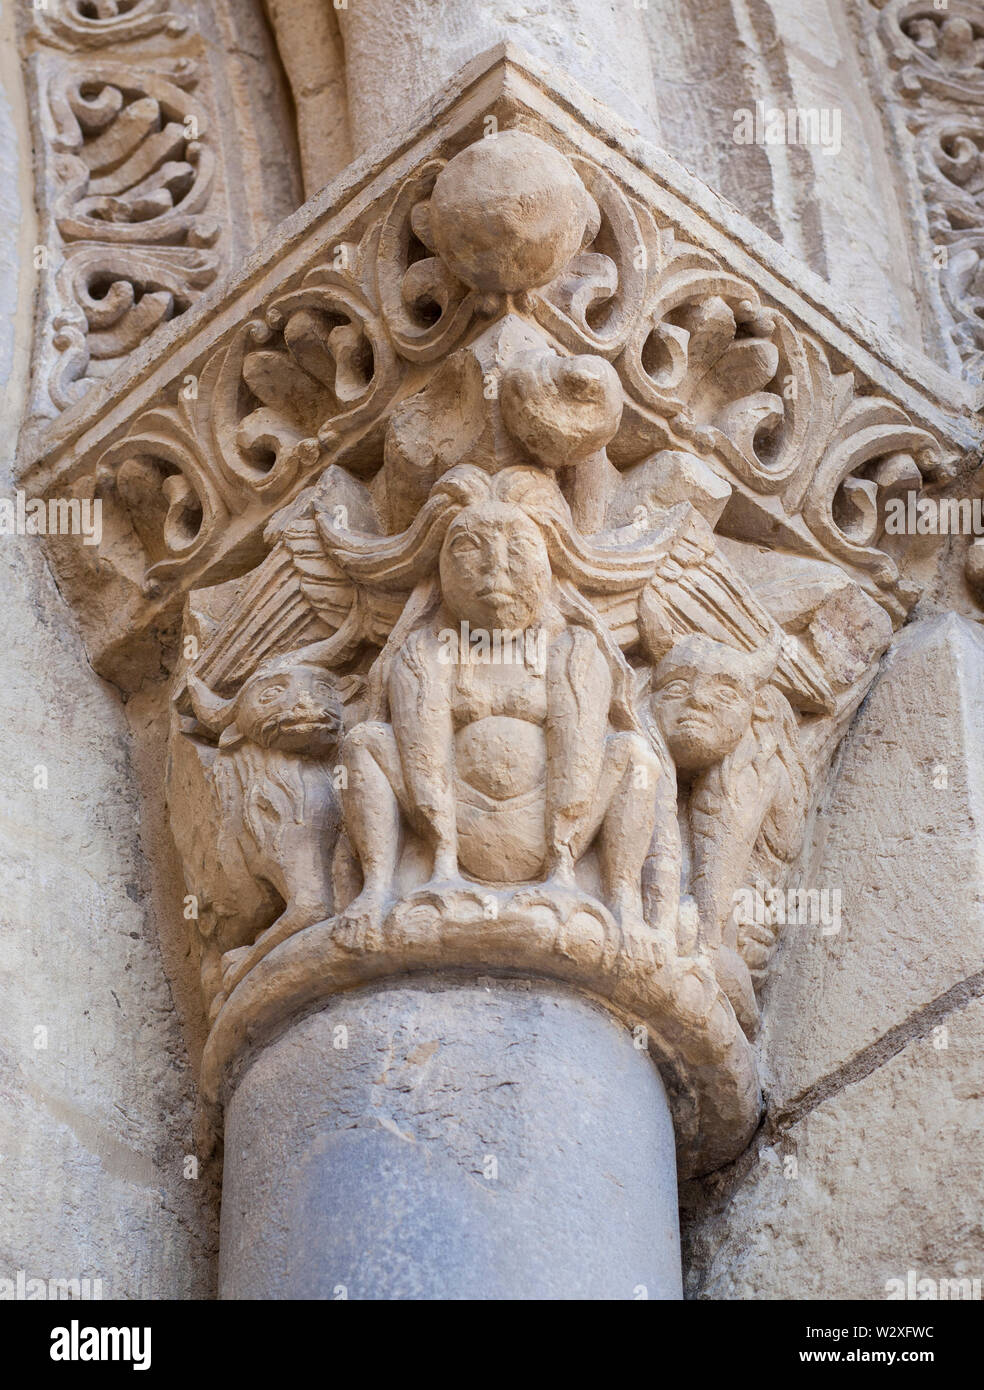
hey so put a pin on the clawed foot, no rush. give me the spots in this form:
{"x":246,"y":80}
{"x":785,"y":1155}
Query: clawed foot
{"x":439,"y":887}
{"x":237,"y":964}
{"x":559,"y":893}
{"x":215,"y":1007}
{"x":562,"y":884}
{"x":361,"y":919}
{"x":231,"y":963}
{"x":659,"y":939}
{"x":232,"y":972}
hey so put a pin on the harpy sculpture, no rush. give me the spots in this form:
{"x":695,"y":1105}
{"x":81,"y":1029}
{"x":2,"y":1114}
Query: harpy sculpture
{"x":566,"y":730}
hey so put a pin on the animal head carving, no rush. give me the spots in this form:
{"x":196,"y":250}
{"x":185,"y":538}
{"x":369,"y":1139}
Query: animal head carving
{"x":289,"y":705}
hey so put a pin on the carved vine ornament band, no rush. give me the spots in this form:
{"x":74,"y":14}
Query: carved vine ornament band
{"x":937,"y":54}
{"x":131,"y":215}
{"x":575,"y":574}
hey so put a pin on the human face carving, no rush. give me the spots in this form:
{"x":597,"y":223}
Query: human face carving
{"x":495,"y":570}
{"x":704,"y":701}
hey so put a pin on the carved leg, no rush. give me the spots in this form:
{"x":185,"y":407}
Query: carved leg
{"x":225,"y":937}
{"x":623,"y":813}
{"x":371,"y":804}
{"x":236,"y":964}
{"x":626,"y":831}
{"x":662,"y":871}
{"x":303,"y":880}
{"x":623,"y":816}
{"x":211,"y":972}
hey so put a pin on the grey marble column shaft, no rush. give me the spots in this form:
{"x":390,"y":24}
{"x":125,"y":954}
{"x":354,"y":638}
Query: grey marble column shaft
{"x":451,"y":1139}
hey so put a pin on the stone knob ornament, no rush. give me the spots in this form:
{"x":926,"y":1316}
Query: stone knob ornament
{"x":509,"y":212}
{"x":561,"y":409}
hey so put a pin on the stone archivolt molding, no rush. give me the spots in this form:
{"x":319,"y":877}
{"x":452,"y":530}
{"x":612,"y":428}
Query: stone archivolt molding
{"x":131,"y":203}
{"x":498,"y":391}
{"x":938,"y":58}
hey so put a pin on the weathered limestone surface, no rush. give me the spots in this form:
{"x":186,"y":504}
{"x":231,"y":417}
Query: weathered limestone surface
{"x":519,"y":373}
{"x":678,"y":74}
{"x":96,"y":1093}
{"x":95,"y":1123}
{"x":840,"y":211}
{"x":310,"y":47}
{"x":899,"y":834}
{"x":881,"y":1178}
{"x":400,"y":53}
{"x":474,"y":1139}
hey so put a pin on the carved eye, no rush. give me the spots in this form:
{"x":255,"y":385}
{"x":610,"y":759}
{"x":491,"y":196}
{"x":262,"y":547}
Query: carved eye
{"x":728,"y":695}
{"x":675,"y":689}
{"x":271,"y":693}
{"x":462,"y":543}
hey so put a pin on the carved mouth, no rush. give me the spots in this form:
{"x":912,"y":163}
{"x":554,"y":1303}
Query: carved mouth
{"x":305,"y":725}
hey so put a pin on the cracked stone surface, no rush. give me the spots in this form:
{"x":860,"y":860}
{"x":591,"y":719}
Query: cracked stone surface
{"x":864,"y":1188}
{"x":451,"y":1139}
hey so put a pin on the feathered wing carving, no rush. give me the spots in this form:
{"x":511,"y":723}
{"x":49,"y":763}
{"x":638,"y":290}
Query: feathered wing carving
{"x":695,"y":589}
{"x":298,"y":599}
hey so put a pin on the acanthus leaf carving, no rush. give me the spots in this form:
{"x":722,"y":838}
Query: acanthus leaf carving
{"x":704,"y":364}
{"x":132,"y":207}
{"x":939,"y":51}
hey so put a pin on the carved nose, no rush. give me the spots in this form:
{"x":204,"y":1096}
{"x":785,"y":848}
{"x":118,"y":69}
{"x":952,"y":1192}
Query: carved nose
{"x":498,"y":555}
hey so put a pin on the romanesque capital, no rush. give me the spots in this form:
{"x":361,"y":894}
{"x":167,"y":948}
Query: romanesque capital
{"x":517,"y":547}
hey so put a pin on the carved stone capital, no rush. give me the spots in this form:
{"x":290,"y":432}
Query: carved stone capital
{"x":526,"y":533}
